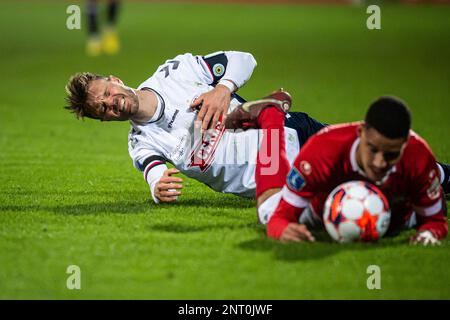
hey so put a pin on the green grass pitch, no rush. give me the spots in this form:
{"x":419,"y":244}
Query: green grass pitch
{"x":69,"y":194}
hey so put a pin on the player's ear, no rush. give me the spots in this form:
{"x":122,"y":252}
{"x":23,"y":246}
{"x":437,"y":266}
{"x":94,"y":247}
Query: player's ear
{"x":115,"y":79}
{"x":360,"y":129}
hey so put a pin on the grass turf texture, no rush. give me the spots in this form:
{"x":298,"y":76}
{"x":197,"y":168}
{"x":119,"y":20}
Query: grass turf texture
{"x":69,"y":193}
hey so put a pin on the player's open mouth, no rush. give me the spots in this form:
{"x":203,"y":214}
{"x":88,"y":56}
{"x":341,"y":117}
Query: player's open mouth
{"x":123,"y":108}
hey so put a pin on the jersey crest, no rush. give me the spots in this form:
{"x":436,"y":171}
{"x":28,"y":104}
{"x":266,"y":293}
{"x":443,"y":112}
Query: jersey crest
{"x":218,"y":69}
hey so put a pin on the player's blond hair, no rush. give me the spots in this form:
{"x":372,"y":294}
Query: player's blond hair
{"x":77,"y":92}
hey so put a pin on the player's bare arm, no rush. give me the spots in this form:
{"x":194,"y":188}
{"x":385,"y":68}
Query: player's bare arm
{"x":168,"y":188}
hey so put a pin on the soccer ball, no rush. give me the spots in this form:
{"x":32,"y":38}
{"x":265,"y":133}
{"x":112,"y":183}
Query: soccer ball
{"x":356,"y":210}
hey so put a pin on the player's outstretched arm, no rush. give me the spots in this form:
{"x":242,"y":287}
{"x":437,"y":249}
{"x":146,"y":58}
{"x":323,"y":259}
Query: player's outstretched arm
{"x":284,"y":226}
{"x":431,"y":228}
{"x":429,"y":201}
{"x":168,"y":188}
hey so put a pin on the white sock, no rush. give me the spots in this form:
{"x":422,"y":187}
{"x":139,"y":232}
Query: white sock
{"x":441,"y":171}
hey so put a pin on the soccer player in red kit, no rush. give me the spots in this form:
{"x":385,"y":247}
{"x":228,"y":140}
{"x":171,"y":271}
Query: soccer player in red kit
{"x":381,"y":150}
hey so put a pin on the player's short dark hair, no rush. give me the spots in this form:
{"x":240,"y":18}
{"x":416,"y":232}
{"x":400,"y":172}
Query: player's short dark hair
{"x":77,"y":92}
{"x":390,"y":116}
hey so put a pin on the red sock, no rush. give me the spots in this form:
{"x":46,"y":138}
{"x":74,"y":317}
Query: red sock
{"x":272,"y":165}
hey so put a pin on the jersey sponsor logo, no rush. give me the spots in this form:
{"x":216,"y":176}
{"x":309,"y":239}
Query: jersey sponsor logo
{"x":295,"y":180}
{"x":203,"y":154}
{"x":305,"y":168}
{"x":218,"y":69}
{"x":434,"y":191}
{"x":173,"y":119}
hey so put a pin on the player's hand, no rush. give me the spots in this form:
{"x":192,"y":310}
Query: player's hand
{"x":213,"y":104}
{"x":167,"y":189}
{"x":424,"y":237}
{"x":295,"y":232}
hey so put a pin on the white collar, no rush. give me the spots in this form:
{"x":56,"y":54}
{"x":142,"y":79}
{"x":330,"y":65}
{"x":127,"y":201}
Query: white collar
{"x":157,"y":115}
{"x":158,"y":111}
{"x":353,"y":161}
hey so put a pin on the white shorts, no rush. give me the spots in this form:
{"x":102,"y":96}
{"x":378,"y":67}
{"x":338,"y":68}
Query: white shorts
{"x":268,"y":207}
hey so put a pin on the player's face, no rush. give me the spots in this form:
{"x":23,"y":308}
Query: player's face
{"x":110,"y":100}
{"x":376,"y":154}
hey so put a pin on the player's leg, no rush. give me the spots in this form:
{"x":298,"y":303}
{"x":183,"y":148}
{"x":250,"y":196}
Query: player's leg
{"x":272,"y":165}
{"x":93,"y":45}
{"x":110,"y":38}
{"x":303,"y":124}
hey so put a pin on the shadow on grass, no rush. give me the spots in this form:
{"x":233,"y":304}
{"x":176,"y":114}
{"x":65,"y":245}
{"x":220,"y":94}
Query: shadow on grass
{"x":125,"y":206}
{"x":183,"y":228}
{"x":129,"y":207}
{"x":321,"y":248}
{"x":84,"y":209}
{"x":232,"y":202}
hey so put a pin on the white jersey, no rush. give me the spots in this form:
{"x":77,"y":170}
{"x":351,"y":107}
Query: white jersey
{"x":222,"y":159}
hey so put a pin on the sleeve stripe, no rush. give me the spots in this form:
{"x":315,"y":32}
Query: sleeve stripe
{"x":150,"y":159}
{"x":293,"y":199}
{"x":431,"y":210}
{"x":209,"y":68}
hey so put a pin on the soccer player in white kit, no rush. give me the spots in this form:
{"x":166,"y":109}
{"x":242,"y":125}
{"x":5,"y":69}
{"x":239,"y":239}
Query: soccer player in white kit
{"x":162,"y":113}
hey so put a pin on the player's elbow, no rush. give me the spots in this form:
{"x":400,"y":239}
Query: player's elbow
{"x":245,"y":57}
{"x":251,"y":60}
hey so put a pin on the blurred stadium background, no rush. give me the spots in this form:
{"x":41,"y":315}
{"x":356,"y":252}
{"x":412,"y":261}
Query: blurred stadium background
{"x":69,"y":194}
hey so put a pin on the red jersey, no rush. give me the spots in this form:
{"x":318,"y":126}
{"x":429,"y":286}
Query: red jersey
{"x":329,"y":159}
